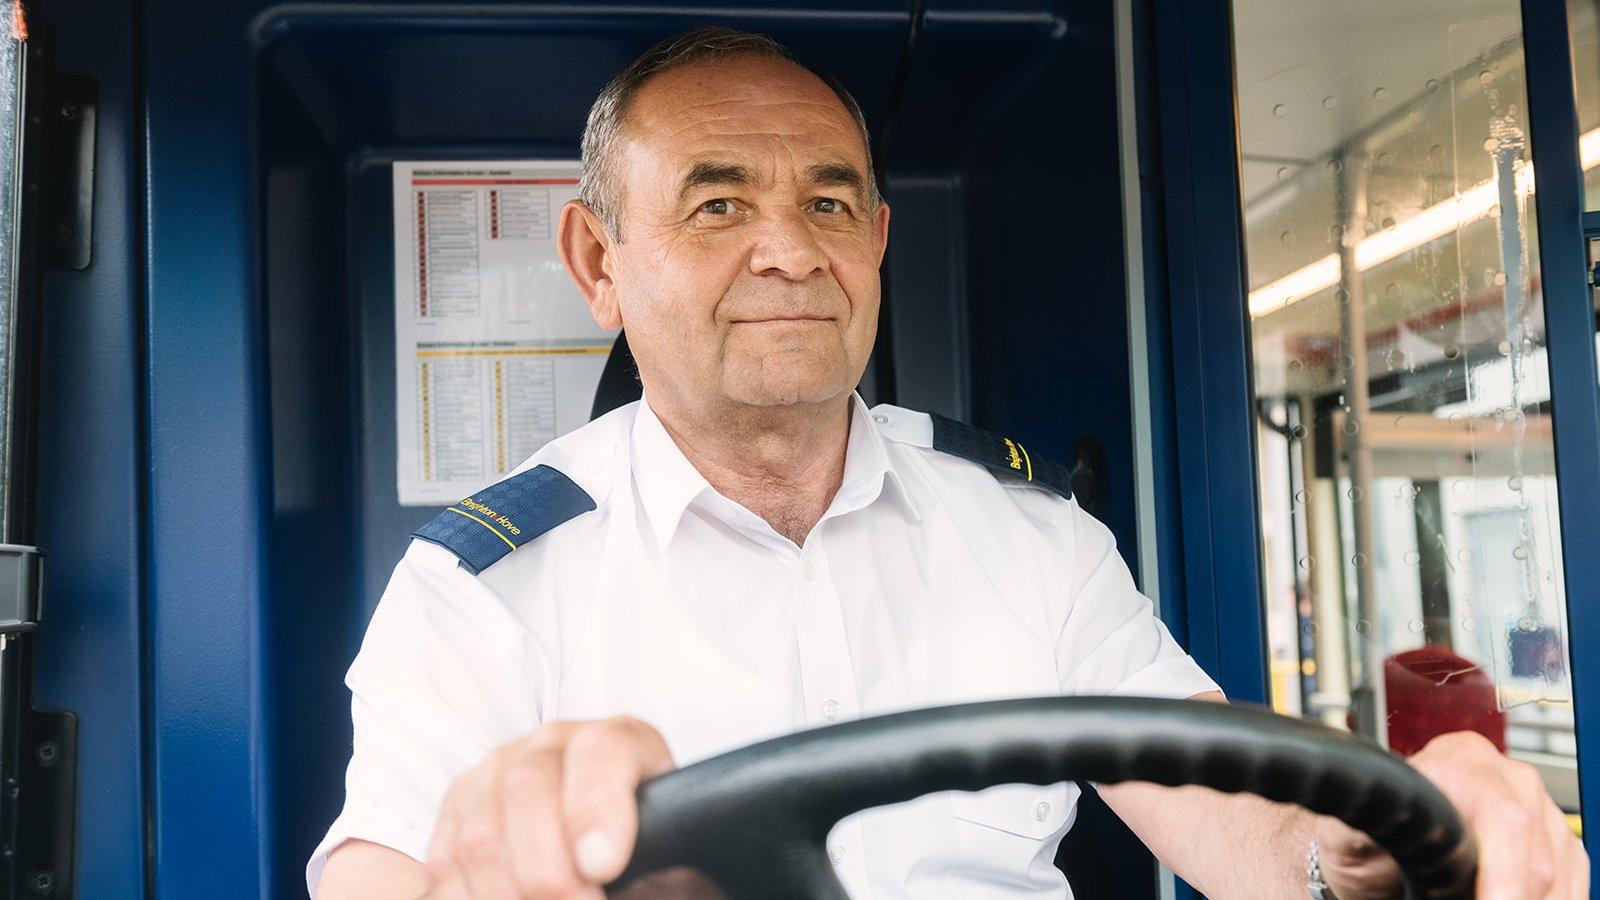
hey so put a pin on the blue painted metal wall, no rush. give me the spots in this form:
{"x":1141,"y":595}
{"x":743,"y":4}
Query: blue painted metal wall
{"x":92,"y":463}
{"x":1209,"y":343}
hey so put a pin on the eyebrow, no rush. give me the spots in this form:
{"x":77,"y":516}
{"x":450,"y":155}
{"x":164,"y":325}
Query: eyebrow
{"x":704,"y":173}
{"x":838,"y":174}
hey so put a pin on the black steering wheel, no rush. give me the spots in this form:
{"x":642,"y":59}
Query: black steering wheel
{"x":754,"y":820}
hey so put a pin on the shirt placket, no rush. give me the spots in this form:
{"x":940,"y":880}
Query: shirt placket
{"x":827,"y":679}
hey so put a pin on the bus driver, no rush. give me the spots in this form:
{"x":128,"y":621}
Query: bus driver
{"x":749,"y":551}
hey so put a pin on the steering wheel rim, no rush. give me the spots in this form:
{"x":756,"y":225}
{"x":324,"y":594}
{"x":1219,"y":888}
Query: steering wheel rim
{"x":755,"y":819}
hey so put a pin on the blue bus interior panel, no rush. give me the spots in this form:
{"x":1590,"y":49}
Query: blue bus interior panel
{"x":267,"y":347}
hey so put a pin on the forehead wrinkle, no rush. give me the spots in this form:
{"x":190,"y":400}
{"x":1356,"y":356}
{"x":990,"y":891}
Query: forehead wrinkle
{"x":738,"y":129}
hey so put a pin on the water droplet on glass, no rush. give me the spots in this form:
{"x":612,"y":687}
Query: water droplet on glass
{"x":1279,"y":111}
{"x":1307,"y":563}
{"x":1380,"y":94}
{"x":1358,"y":560}
{"x":1310,"y":629}
{"x":1300,"y":498}
{"x":1491,"y":145}
{"x":1351,"y":426}
{"x":1412,"y":557}
{"x":1396,"y":359}
{"x":1504,"y":347}
{"x":1469,"y":625}
{"x":1335,"y":232}
{"x":1451,"y":351}
{"x":1432,"y":85}
{"x":1391,"y":290}
{"x":1486,"y":78}
{"x":1330,"y":102}
{"x":1524,"y":623}
{"x":1284,"y":236}
{"x":1283,"y":172}
{"x":1335,"y":166}
{"x":1363,"y":626}
{"x":1499,"y":279}
{"x":1494,"y":211}
{"x":1388,"y":222}
{"x":1415,"y":625}
{"x":1519,"y":552}
{"x":1459,"y":486}
{"x":1383,"y":160}
{"x":1299,"y":431}
{"x":1296,"y":365}
{"x":1341,"y":295}
{"x":1436,"y":151}
{"x":1355,"y":493}
{"x":1463,"y":556}
{"x":1514,"y":482}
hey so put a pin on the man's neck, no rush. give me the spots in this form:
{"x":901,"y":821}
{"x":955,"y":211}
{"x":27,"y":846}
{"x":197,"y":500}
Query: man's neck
{"x":782,"y":463}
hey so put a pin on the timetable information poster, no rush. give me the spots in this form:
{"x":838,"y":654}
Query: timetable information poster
{"x":495,"y":351}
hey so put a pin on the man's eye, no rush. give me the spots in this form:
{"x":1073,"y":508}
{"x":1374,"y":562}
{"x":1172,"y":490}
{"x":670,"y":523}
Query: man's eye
{"x":719,"y":207}
{"x":828,"y":205}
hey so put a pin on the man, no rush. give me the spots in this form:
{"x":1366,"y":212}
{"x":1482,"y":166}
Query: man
{"x":749,"y":551}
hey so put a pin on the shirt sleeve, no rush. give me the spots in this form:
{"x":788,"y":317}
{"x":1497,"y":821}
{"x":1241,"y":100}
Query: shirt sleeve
{"x":1111,"y":641}
{"x":445,"y":673}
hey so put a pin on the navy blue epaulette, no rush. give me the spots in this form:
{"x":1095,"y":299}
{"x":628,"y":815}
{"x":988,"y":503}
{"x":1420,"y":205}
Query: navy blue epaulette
{"x":483,"y":528}
{"x":1000,"y":455}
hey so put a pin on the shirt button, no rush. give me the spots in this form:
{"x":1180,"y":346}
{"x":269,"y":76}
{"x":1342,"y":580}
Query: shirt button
{"x":830,"y":709}
{"x":836,"y":853}
{"x":810,"y":570}
{"x":880,"y":418}
{"x":1041,"y":811}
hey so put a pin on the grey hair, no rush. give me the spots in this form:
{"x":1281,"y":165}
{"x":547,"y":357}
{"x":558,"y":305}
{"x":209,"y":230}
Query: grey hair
{"x":599,"y":184}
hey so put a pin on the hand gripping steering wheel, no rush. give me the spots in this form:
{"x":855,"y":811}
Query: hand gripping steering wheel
{"x":755,"y":819}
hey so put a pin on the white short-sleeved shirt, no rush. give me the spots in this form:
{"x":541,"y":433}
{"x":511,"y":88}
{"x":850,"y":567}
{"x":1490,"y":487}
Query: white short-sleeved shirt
{"x":928,"y":581}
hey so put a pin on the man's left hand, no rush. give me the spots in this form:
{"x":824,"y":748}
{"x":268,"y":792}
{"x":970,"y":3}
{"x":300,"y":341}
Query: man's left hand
{"x":1525,"y":849}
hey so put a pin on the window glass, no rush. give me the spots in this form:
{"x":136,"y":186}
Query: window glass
{"x":1413,"y":580}
{"x":1583,"y":21}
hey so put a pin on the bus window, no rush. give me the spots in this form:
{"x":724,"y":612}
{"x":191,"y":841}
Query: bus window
{"x":1405,"y":471}
{"x":1583,"y":19}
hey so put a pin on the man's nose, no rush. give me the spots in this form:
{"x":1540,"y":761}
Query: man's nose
{"x":787,"y":246}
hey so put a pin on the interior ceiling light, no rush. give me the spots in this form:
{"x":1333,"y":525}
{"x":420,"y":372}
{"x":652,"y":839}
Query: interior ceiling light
{"x":1438,"y":220}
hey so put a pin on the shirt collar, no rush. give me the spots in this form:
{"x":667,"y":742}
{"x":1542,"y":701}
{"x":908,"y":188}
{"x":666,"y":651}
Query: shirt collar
{"x":668,"y":483}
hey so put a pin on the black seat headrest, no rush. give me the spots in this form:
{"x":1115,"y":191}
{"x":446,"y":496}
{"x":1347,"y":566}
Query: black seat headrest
{"x":619,"y":381}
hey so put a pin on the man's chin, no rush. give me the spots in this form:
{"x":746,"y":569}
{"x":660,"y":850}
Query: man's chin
{"x":781,"y":389}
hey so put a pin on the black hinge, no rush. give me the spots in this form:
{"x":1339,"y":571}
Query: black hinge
{"x":21,"y":588}
{"x":44,"y":789}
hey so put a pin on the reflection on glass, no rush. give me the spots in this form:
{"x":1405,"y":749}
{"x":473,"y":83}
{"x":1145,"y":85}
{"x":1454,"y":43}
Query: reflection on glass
{"x":1583,"y":22}
{"x":1406,"y":472}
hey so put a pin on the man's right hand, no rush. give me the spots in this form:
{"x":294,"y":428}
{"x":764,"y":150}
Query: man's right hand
{"x":551,"y":815}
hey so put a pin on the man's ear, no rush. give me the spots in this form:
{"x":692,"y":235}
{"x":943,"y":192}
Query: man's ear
{"x":586,"y":252}
{"x":880,"y":229}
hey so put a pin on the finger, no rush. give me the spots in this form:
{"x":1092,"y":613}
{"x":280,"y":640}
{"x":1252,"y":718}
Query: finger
{"x":1352,"y":862}
{"x":1513,"y":852}
{"x":440,"y":864}
{"x":540,"y":858}
{"x":1471,"y":776}
{"x":478,"y":846}
{"x":1579,"y":867}
{"x":604,"y":765}
{"x":1571,"y":865}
